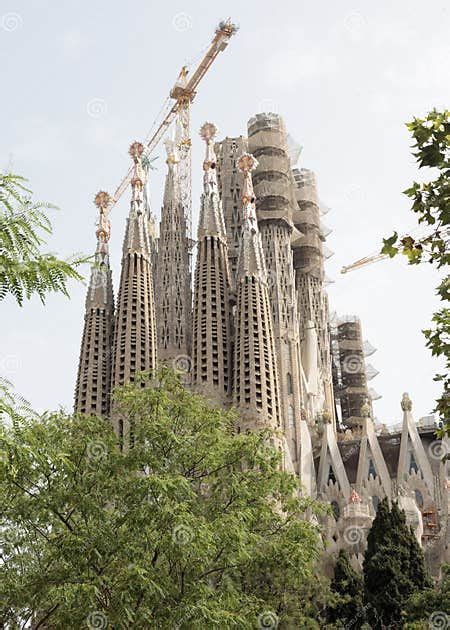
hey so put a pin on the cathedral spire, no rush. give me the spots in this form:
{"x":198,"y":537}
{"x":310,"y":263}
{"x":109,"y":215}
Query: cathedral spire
{"x":256,"y":392}
{"x":173,"y":278}
{"x":94,"y":371}
{"x":211,"y":360}
{"x":211,"y":220}
{"x":267,"y":139}
{"x":251,"y":257}
{"x":135,"y":330}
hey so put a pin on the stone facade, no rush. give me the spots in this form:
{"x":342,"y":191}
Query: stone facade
{"x":262,"y":338}
{"x":173,"y":277}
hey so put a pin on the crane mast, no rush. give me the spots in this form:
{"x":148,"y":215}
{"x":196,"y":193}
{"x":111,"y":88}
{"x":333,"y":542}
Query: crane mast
{"x":182,"y":95}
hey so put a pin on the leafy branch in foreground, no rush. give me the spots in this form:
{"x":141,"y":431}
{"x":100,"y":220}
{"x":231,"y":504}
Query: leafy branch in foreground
{"x":196,"y":526}
{"x":24,"y":269}
{"x":431,"y":204}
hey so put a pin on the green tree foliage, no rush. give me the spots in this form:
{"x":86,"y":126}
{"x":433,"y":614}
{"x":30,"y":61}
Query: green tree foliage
{"x":431,"y":204}
{"x":432,"y":604}
{"x":195,"y":526}
{"x":347,"y":584}
{"x":393,"y":567}
{"x":24,"y":269}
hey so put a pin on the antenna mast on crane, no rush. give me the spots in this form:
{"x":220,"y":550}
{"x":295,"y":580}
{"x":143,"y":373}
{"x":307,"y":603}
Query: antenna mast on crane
{"x":180,"y":99}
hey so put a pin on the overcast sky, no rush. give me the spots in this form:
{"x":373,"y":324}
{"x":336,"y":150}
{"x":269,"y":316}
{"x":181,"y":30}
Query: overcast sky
{"x":81,"y":80}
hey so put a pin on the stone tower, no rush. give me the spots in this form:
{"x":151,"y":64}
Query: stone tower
{"x":135,"y":327}
{"x":230,"y":181}
{"x":94,"y":371}
{"x":151,"y":221}
{"x":272,"y":181}
{"x":173,"y":278}
{"x":353,"y":390}
{"x":309,"y":255}
{"x":211,"y":360}
{"x":256,"y":392}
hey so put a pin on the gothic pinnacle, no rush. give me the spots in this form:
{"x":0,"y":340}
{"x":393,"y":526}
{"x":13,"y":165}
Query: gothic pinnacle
{"x":246,"y":164}
{"x":103,"y":232}
{"x":208,"y":132}
{"x":136,"y":152}
{"x":211,"y":221}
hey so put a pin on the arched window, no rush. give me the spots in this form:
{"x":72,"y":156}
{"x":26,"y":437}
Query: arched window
{"x":336,"y":509}
{"x":289,"y":383}
{"x":372,"y":469}
{"x":419,"y":498}
{"x":412,"y":463}
{"x":375,"y":503}
{"x":331,"y":476}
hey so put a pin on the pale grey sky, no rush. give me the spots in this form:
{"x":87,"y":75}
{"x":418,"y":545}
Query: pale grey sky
{"x":80,"y":81}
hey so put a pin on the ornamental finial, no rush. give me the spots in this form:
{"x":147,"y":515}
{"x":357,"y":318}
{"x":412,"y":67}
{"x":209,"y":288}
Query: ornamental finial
{"x":208,"y":132}
{"x":406,"y":403}
{"x":102,"y":200}
{"x":103,"y":232}
{"x":136,"y":152}
{"x":354,"y":497}
{"x":172,"y":151}
{"x":246,"y":164}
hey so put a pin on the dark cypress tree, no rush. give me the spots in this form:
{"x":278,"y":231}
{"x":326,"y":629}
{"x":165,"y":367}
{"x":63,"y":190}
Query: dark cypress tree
{"x":394,"y":567}
{"x":347,"y":584}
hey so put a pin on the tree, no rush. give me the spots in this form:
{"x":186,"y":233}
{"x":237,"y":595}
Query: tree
{"x":432,"y":604}
{"x":24,"y":269}
{"x":195,"y":526}
{"x":394,"y":566}
{"x":347,"y":584}
{"x":431,"y":204}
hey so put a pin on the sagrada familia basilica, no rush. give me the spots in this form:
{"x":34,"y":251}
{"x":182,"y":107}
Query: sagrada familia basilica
{"x":254,"y":331}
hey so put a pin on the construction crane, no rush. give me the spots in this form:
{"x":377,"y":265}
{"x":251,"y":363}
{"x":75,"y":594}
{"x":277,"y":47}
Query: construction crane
{"x":362,"y":262}
{"x":368,"y":260}
{"x":177,"y":105}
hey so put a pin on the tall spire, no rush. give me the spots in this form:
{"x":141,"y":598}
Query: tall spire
{"x":256,"y":392}
{"x":273,"y":190}
{"x":211,"y":220}
{"x":151,"y":220}
{"x":94,"y":371}
{"x":230,"y":181}
{"x":135,"y":329}
{"x":173,"y":278}
{"x":309,"y":253}
{"x":211,"y":359}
